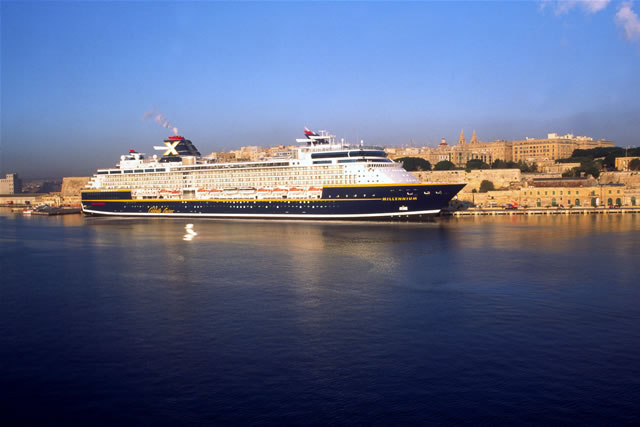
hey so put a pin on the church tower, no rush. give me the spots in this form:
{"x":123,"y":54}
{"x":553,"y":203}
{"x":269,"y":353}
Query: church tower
{"x":474,"y":138}
{"x":461,"y":140}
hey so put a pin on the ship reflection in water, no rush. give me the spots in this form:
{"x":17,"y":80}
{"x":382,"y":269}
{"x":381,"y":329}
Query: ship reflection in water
{"x":228,"y":322}
{"x":190,"y":234}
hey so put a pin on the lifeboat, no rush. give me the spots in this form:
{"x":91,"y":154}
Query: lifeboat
{"x":165,"y":191}
{"x":264,"y":190}
{"x":295,"y":189}
{"x":247,"y":190}
{"x":176,"y":192}
{"x":279,"y":190}
{"x":202,"y":190}
{"x":315,"y":189}
{"x":215,"y":190}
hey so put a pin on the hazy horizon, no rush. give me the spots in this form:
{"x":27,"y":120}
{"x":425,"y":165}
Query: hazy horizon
{"x":78,"y":78}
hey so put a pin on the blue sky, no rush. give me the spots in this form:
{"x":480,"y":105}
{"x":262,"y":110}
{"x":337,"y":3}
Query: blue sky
{"x":77,"y":77}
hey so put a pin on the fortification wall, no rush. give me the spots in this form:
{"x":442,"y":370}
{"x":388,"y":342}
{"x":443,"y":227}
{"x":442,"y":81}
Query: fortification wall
{"x":501,"y":178}
{"x":71,"y":187}
{"x":629,"y":179}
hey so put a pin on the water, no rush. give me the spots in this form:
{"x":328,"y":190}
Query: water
{"x":489,"y":320}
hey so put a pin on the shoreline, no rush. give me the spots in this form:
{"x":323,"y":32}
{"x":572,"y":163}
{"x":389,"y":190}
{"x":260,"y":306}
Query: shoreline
{"x":541,"y":211}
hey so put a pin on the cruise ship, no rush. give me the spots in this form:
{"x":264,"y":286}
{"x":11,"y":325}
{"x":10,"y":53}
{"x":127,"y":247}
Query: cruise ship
{"x":320,"y":179}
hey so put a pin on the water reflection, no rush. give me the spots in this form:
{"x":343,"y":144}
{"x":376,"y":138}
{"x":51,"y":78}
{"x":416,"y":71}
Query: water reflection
{"x":306,"y":253}
{"x":190,"y":234}
{"x":285,"y":316}
{"x":552,"y":232}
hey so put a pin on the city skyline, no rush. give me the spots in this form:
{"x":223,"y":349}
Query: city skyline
{"x":78,"y":78}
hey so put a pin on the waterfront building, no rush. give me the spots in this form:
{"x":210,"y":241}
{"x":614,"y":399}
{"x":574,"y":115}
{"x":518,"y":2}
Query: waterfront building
{"x":11,"y":184}
{"x":578,"y":192}
{"x":557,"y":192}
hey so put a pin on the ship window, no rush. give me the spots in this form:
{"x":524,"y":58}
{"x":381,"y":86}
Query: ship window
{"x":329,"y":155}
{"x":362,"y":153}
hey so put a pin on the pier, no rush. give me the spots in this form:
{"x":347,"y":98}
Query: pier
{"x":57,"y":211}
{"x":541,"y":211}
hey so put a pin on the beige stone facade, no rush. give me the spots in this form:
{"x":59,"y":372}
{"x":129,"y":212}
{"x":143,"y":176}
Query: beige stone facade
{"x":545,"y":197}
{"x":10,"y":184}
{"x":628,"y":179}
{"x":552,"y":167}
{"x":541,"y":190}
{"x":622,"y":163}
{"x":529,"y":150}
{"x":501,"y":178}
{"x":554,"y":147}
{"x":71,"y":187}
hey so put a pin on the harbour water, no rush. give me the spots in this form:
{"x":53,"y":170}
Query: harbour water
{"x":528,"y":320}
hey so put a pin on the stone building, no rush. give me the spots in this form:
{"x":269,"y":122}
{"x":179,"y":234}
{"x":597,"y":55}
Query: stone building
{"x":550,"y":192}
{"x":554,"y":147}
{"x":529,"y":150}
{"x":557,"y":195}
{"x":622,"y":163}
{"x":11,"y":184}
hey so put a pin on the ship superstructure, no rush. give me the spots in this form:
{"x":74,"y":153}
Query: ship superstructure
{"x":312,"y":181}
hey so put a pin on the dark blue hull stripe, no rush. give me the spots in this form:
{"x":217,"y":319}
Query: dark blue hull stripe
{"x":347,"y":202}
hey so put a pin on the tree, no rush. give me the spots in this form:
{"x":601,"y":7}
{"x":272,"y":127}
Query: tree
{"x":476,"y":164}
{"x":634,"y":165}
{"x":415,"y":163}
{"x":444,"y":165}
{"x":501,"y":164}
{"x":588,"y":167}
{"x":486,"y":185}
{"x":527,"y":167}
{"x":607,"y":154}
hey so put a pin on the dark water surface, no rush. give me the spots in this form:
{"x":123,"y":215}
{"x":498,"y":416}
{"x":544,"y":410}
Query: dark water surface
{"x":494,"y":320}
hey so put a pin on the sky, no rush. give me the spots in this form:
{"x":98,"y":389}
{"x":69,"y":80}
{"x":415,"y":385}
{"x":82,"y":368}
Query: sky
{"x":78,"y":78}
